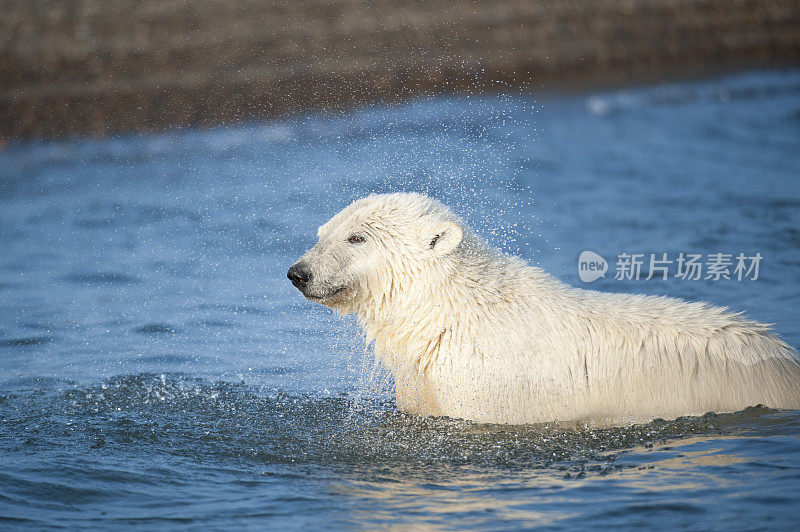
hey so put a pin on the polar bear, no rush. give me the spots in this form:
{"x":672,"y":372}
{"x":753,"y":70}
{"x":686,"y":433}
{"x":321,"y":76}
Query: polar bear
{"x":470,"y":332}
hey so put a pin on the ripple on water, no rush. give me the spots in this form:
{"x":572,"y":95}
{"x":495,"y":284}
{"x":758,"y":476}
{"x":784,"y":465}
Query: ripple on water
{"x":221,"y":420}
{"x":100,"y":278}
{"x":158,"y":328}
{"x":25,"y":342}
{"x":136,"y":440}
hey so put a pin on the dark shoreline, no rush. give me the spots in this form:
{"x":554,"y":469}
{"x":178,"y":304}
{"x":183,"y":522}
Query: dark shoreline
{"x":96,"y":68}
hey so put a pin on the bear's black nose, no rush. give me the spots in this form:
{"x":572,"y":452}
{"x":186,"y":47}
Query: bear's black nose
{"x":299,"y":275}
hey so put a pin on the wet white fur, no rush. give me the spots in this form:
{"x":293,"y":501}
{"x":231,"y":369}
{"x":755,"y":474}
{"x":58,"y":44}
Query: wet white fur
{"x":470,"y":332}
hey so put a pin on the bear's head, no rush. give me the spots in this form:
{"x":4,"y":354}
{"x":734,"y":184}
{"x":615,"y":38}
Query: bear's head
{"x":377,"y":248}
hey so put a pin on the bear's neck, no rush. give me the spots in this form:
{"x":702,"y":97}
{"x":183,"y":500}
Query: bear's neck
{"x":411,"y":318}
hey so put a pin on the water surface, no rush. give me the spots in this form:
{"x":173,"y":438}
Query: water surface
{"x":157,"y":369}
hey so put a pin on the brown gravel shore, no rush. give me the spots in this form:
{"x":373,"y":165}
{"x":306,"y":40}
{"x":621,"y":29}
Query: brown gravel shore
{"x":96,"y":67}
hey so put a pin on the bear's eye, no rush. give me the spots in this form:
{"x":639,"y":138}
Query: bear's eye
{"x":356,"y":239}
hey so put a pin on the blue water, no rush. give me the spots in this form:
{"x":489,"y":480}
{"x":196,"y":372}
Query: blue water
{"x":158,"y":370}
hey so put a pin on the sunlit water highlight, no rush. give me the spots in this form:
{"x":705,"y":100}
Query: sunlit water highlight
{"x":156,"y":368}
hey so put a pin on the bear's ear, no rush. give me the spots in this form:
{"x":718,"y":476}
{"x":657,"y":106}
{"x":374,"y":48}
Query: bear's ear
{"x":445,"y":237}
